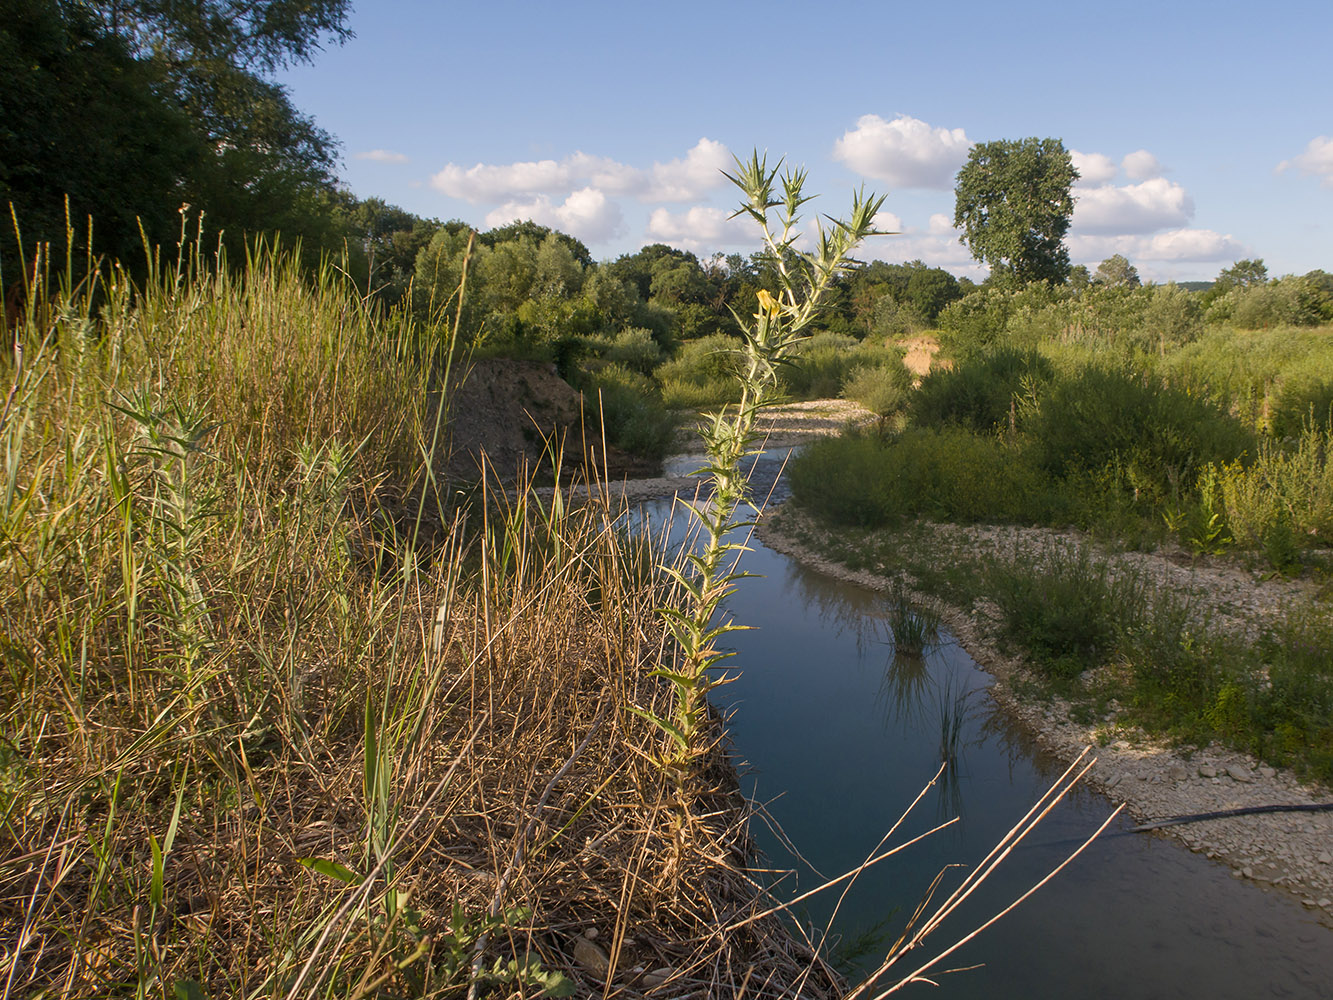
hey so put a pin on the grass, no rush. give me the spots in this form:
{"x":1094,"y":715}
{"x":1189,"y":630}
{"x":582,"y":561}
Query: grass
{"x":278,"y":718}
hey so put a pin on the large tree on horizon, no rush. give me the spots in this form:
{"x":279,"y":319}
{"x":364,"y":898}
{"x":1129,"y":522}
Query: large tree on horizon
{"x":1013,"y":203}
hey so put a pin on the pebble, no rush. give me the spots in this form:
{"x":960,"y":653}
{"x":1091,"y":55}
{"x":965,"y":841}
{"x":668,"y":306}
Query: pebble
{"x":657,"y":977}
{"x":1239,"y":772}
{"x":591,"y":957}
{"x":1325,"y":858}
{"x":1207,"y":771}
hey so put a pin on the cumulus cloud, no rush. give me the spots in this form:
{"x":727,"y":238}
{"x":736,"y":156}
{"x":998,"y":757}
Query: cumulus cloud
{"x":690,"y":177}
{"x":587,"y":213}
{"x":1192,"y":244}
{"x":1134,"y":208}
{"x":1093,"y":168}
{"x":1174,"y":245}
{"x":701,"y":228}
{"x":1141,"y":165}
{"x":1317,"y":160}
{"x":941,"y":225}
{"x":905,"y":152}
{"x":381,"y":156}
{"x":682,"y":179}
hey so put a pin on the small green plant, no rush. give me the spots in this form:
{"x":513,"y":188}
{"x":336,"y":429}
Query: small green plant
{"x":771,"y":339}
{"x":913,"y":627}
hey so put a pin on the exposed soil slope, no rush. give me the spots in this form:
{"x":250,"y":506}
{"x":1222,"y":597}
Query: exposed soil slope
{"x":512,"y":412}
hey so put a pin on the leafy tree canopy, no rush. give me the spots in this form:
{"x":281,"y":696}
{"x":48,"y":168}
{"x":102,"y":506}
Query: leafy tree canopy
{"x":142,"y":105}
{"x":1013,"y":204}
{"x":1116,"y":272}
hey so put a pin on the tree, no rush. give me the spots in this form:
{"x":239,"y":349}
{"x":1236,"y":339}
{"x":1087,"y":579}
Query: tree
{"x":134,"y":107}
{"x":1013,"y":204}
{"x":1116,"y":272}
{"x":1242,"y":274}
{"x":81,"y":117}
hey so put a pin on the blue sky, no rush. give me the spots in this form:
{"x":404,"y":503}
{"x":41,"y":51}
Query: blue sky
{"x":1204,"y":132}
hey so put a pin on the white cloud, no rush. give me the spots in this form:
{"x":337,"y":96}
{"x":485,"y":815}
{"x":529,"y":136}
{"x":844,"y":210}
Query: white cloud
{"x":1093,"y":168}
{"x":1134,"y":208}
{"x":1192,"y":244}
{"x":941,"y":225}
{"x":1175,"y":245}
{"x":494,"y":183}
{"x":587,"y":213}
{"x":1317,"y":160}
{"x":1141,"y":165}
{"x":701,"y":228}
{"x":905,"y":152}
{"x":381,"y":156}
{"x":689,"y":178}
{"x":682,"y":179}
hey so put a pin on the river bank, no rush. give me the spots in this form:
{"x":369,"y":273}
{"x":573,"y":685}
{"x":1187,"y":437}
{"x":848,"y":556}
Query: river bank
{"x":1292,"y":851}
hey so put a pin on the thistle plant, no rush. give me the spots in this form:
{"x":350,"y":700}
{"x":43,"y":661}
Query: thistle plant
{"x":771,"y":338}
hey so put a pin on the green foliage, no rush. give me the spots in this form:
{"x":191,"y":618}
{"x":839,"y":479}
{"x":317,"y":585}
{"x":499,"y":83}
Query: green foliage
{"x":982,"y":392}
{"x":635,"y":349}
{"x":1115,"y":272}
{"x":1064,"y":607}
{"x":869,"y":480}
{"x":629,"y":407}
{"x":81,"y":117}
{"x":1159,"y":436}
{"x":702,"y":373}
{"x":882,"y":389}
{"x":1013,"y":204}
{"x":1283,"y":500}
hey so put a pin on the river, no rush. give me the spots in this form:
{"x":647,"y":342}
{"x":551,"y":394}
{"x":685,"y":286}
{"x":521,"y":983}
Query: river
{"x":837,"y":737}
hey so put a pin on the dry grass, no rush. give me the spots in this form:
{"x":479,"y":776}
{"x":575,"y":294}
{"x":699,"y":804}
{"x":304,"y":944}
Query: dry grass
{"x":243,"y":628}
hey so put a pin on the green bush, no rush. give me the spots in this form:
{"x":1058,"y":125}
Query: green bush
{"x":1285,"y":489}
{"x":703,"y":373}
{"x":1064,"y":608}
{"x":634,"y":348}
{"x":821,"y":366}
{"x":882,"y":389}
{"x":870,"y":480}
{"x":1159,"y":437}
{"x":980,"y":391}
{"x":630,"y":408}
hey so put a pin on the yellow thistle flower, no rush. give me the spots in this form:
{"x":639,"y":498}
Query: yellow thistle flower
{"x":767,"y":304}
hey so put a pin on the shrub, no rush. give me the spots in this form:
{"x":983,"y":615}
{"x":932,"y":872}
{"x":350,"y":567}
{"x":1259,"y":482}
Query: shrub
{"x":1285,"y":489}
{"x":1159,"y":436}
{"x":869,"y":480}
{"x":979,"y":392}
{"x":973,"y":323}
{"x":629,"y":406}
{"x":702,"y":373}
{"x":1064,"y":608}
{"x":634,"y":348}
{"x":882,"y":389}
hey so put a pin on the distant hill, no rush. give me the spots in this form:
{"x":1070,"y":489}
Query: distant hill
{"x":1195,"y":286}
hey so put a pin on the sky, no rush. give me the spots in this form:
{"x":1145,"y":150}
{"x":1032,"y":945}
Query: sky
{"x":1203,"y":131}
